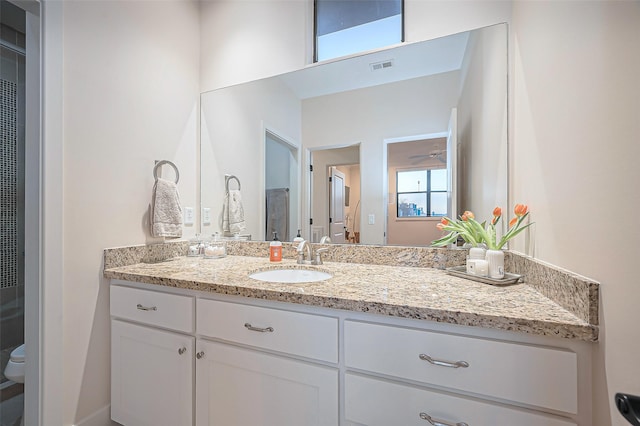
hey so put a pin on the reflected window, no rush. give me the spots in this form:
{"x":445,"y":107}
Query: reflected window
{"x":421,"y":193}
{"x":344,"y":27}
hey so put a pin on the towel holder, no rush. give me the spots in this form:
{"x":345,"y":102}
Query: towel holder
{"x":160,"y":164}
{"x":227,"y":178}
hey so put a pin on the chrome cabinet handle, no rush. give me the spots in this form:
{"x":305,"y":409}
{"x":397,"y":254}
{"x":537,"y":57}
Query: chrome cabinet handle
{"x":434,"y":422}
{"x":200,"y":355}
{"x":258,"y":329}
{"x":147,"y":308}
{"x":182,"y":350}
{"x":451,"y":364}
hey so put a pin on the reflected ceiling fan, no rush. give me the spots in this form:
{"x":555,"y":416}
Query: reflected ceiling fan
{"x":437,"y":154}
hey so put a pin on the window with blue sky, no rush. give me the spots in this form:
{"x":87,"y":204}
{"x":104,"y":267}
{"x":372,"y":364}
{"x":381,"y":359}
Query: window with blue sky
{"x":345,"y":27}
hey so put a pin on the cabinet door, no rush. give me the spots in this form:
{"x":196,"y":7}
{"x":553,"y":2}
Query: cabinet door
{"x":240,"y":387}
{"x":151,"y":376}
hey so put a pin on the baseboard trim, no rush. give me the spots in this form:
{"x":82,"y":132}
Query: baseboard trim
{"x":102,"y":417}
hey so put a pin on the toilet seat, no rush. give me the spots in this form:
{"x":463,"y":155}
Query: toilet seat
{"x":17,"y":355}
{"x":15,"y":367}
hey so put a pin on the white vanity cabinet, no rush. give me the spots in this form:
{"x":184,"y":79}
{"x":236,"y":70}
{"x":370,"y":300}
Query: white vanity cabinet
{"x":244,"y":386}
{"x":151,"y":367}
{"x":239,"y":365}
{"x":183,"y":357}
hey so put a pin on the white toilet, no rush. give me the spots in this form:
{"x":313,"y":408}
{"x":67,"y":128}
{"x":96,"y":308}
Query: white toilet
{"x":15,"y":367}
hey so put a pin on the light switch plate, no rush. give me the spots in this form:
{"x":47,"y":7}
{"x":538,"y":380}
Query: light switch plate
{"x":372,"y":219}
{"x":188,"y":215}
{"x":206,"y":216}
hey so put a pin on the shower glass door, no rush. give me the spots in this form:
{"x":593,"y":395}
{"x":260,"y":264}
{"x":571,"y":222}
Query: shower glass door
{"x":12,"y":166}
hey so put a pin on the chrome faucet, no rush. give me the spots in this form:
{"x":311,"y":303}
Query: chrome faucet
{"x":313,"y":258}
{"x":304,"y":245}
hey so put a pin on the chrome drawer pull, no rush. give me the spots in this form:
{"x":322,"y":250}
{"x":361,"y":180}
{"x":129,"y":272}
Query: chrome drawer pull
{"x":258,"y":329}
{"x":182,"y":350}
{"x":434,"y":422}
{"x":200,"y":355}
{"x":452,"y":364}
{"x":147,"y":308}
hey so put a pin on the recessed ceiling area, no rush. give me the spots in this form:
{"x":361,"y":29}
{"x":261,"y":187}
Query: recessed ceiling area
{"x":409,"y":61}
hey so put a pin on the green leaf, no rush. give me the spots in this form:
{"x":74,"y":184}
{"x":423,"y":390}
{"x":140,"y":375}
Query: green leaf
{"x":449,"y":238}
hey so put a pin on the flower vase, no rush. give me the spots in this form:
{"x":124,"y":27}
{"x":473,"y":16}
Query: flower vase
{"x":495,"y":258}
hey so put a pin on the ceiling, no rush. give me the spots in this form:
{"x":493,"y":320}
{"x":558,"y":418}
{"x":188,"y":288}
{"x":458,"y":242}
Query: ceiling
{"x":430,"y":153}
{"x":409,"y":61}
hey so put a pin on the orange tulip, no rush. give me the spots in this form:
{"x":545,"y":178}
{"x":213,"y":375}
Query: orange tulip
{"x":520,"y":209}
{"x":513,"y":222}
{"x":497,"y":212}
{"x":444,"y":221}
{"x":440,"y":226}
{"x":467,"y":215}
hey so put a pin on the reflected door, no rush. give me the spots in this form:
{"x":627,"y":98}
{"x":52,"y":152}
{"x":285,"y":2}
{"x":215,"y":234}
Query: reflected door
{"x":452,"y":165}
{"x":336,"y":206}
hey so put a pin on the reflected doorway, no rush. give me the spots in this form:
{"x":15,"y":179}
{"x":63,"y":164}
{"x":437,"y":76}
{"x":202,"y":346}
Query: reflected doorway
{"x":419,"y":188}
{"x":281,"y":187}
{"x":335,"y":194}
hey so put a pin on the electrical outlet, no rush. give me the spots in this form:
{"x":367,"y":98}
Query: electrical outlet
{"x":188,"y":215}
{"x":372,"y":219}
{"x":206,"y":216}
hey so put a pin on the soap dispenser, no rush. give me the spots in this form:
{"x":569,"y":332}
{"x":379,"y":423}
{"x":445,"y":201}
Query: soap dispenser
{"x":298,"y":238}
{"x":275,"y":249}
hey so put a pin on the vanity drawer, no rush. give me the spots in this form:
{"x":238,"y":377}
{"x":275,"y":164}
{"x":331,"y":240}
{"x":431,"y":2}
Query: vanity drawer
{"x":154,"y":308}
{"x":311,"y":336}
{"x":375,"y":402}
{"x":531,"y":375}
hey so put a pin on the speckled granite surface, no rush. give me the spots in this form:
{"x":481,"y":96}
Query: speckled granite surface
{"x":425,"y":257}
{"x":416,"y":289}
{"x":577,"y":294}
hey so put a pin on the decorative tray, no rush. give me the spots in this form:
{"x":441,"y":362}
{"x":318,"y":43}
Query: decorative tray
{"x":509,"y":279}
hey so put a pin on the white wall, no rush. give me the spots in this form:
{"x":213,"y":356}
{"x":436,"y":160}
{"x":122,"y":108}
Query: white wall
{"x":244,"y":40}
{"x":482,"y":124}
{"x":575,"y":151}
{"x":130,"y":96}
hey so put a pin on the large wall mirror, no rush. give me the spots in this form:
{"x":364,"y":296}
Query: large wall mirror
{"x":372,"y":149}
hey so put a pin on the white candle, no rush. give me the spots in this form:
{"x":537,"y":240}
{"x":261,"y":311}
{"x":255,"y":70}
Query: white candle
{"x":482,"y":268}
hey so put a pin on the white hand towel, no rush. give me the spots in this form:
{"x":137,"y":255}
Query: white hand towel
{"x":233,"y":213}
{"x":166,"y":213}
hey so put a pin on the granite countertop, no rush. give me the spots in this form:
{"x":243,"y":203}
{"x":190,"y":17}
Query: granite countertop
{"x":409,"y":292}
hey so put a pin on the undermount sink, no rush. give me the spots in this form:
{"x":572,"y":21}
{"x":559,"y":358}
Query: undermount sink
{"x":291,"y":275}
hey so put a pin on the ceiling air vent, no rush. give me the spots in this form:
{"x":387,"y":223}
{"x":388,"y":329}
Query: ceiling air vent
{"x":381,"y":65}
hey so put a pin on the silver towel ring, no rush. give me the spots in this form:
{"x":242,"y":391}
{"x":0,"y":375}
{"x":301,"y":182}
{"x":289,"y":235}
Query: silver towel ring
{"x":228,"y":178}
{"x":160,"y":164}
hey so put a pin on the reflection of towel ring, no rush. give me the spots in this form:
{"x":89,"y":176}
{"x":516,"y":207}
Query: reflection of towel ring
{"x":162,"y":162}
{"x":227,"y":178}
